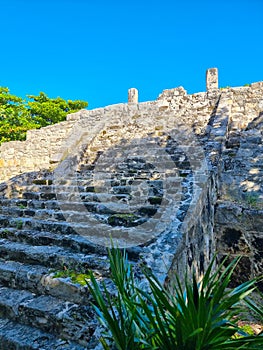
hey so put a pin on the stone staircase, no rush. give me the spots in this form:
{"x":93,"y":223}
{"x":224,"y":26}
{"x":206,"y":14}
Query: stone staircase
{"x":51,"y":223}
{"x":145,"y":175}
{"x":37,"y":310}
{"x":36,"y":241}
{"x":133,"y":181}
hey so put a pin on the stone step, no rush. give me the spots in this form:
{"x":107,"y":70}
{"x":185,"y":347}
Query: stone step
{"x":99,"y":185}
{"x":49,"y":314}
{"x":54,"y":257}
{"x":120,"y":227}
{"x":75,"y":243}
{"x":41,"y":280}
{"x":133,"y":156}
{"x":83,"y":183}
{"x":17,"y":336}
{"x":76,"y":201}
{"x":104,"y":181}
{"x":95,"y":186}
{"x":75,"y":196}
{"x":58,"y":188}
{"x":56,"y":215}
{"x":76,"y":179}
{"x":77,"y":212}
{"x":43,"y":181}
{"x":54,"y":209}
{"x":71,"y":181}
{"x":63,"y":227}
{"x":18,"y":275}
{"x":70,"y":222}
{"x":59,"y":192}
{"x":82,"y":222}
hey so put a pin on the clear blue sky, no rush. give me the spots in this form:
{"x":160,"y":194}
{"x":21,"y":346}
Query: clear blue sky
{"x":96,"y":49}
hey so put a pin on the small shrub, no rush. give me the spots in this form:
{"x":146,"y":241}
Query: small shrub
{"x":201,"y":316}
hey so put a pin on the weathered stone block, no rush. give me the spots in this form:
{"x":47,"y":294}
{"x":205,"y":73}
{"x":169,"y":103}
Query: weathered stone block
{"x":211,"y":79}
{"x":132,"y":95}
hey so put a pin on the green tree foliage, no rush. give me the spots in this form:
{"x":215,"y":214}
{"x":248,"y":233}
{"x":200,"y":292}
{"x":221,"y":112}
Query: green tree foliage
{"x":14,"y":117}
{"x":46,"y":111}
{"x":18,"y":115}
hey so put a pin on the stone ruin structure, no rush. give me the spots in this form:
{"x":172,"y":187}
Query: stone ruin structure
{"x":173,"y":181}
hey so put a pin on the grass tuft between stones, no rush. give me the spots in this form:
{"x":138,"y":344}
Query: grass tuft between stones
{"x":79,"y":278}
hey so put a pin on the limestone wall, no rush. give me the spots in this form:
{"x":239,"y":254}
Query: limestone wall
{"x":34,"y":154}
{"x":198,"y":243}
{"x":239,"y":210}
{"x":47,"y":146}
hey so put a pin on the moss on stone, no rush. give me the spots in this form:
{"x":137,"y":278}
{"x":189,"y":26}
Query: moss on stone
{"x":4,"y":233}
{"x":155,"y":200}
{"x":246,"y":328}
{"x":79,"y":278}
{"x":123,"y":219}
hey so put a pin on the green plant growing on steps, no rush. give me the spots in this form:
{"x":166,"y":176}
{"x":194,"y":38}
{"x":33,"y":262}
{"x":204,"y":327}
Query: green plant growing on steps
{"x":21,"y":206}
{"x":4,"y":233}
{"x":129,"y":219}
{"x":247,"y":329}
{"x":6,"y":230}
{"x":155,"y":200}
{"x":19,"y":224}
{"x":201,"y":316}
{"x":252,"y":199}
{"x":75,"y":277}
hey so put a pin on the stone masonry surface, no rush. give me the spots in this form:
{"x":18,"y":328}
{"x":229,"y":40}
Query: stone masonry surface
{"x":172,"y":181}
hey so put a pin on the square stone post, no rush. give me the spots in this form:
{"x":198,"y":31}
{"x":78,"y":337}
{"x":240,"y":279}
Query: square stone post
{"x":211,"y":79}
{"x":132,"y":95}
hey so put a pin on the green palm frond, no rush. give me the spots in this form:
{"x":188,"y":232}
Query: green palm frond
{"x":202,"y":315}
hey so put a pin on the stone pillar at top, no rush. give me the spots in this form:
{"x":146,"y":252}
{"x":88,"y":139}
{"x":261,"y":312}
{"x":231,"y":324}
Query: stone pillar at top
{"x":211,"y":79}
{"x":132,"y":95}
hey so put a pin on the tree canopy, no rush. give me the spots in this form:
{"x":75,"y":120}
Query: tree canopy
{"x":17,"y":115}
